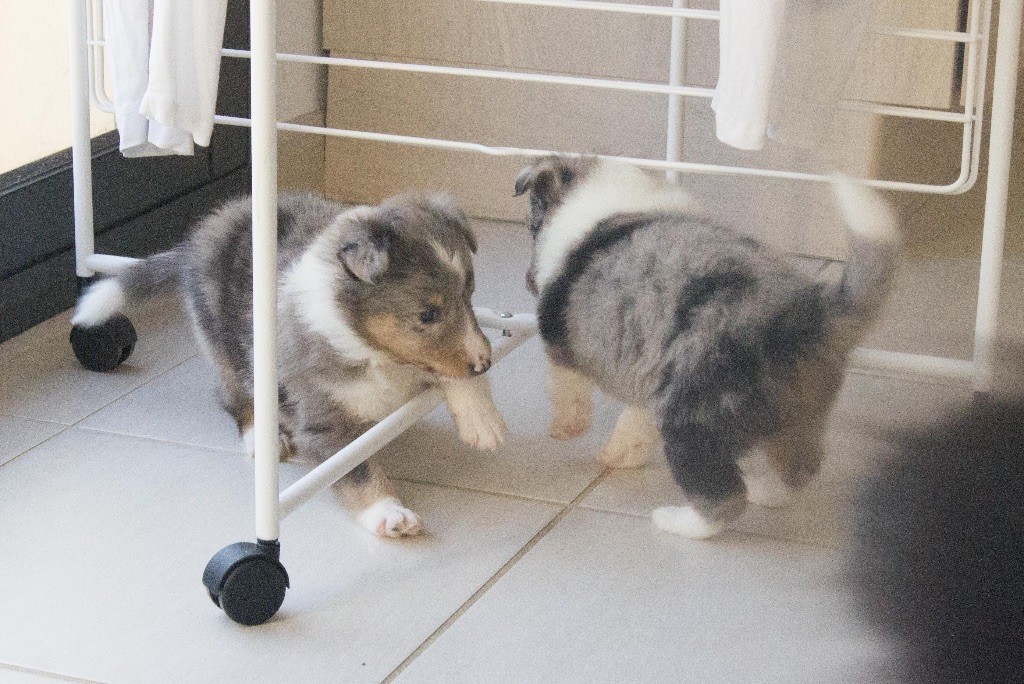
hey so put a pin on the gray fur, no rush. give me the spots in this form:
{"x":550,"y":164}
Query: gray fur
{"x":867,"y":276}
{"x":156,"y":276}
{"x":727,"y":345}
{"x":548,"y":180}
{"x":380,"y":262}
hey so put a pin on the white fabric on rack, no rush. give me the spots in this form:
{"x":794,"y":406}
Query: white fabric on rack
{"x":184,"y":65}
{"x":748,"y":33}
{"x":165,"y":63}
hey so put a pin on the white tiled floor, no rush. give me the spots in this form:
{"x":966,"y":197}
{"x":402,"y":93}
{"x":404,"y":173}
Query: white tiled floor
{"x":537,"y":567}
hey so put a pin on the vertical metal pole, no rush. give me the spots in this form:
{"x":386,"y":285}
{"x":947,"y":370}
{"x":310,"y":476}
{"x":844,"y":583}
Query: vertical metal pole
{"x":81,"y":146}
{"x":263,"y":28}
{"x":676,"y":73}
{"x":1000,"y":143}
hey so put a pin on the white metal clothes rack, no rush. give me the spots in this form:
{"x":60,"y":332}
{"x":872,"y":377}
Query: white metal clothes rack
{"x":247,"y":580}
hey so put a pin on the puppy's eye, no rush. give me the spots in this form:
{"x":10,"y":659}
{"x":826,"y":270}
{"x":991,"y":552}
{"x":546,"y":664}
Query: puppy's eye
{"x":429,"y":316}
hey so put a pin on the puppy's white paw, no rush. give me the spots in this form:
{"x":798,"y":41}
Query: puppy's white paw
{"x":482,"y":428}
{"x":249,"y":442}
{"x":389,"y":518}
{"x":570,"y":419}
{"x":627,"y":451}
{"x":768,"y":490}
{"x":685,"y":520}
{"x":284,"y":444}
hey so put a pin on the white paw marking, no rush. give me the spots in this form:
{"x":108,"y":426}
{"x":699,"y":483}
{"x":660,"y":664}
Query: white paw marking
{"x":768,"y":490}
{"x":249,"y":442}
{"x":100,"y":302}
{"x":764,"y":487}
{"x":571,"y":419}
{"x":685,"y":520}
{"x":627,"y":449}
{"x":284,"y":444}
{"x":389,"y":518}
{"x":483,"y":428}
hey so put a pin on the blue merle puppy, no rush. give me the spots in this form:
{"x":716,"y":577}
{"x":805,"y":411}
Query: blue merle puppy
{"x":374,"y":306}
{"x":719,"y":348}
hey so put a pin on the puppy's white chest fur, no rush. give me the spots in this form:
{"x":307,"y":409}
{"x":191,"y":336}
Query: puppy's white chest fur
{"x":610,"y":188}
{"x":385,"y":387}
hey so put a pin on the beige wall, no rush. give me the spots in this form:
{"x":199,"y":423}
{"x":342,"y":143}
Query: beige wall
{"x":793,"y":215}
{"x":35,"y":120}
{"x":301,"y":91}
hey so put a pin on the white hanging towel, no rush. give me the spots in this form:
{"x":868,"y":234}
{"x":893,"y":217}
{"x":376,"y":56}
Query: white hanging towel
{"x":748,"y":35}
{"x":165,"y":64}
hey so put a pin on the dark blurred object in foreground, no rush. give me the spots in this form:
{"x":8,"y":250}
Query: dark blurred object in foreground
{"x":938,"y":558}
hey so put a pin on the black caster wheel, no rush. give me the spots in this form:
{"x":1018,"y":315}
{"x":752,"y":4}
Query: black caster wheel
{"x":247,"y":581}
{"x":104,"y":347}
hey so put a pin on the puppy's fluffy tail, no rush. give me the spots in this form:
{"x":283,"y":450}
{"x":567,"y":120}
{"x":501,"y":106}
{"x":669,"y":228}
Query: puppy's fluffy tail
{"x":137,"y":282}
{"x":874,"y":250}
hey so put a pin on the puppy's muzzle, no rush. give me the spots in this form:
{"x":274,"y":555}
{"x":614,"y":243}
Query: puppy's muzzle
{"x":478,"y":349}
{"x":480,"y":367}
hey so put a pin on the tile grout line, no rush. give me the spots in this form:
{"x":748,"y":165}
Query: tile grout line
{"x":161,"y":440}
{"x":15,"y":414}
{"x":485,"y":587}
{"x":33,"y":419}
{"x":67,"y":426}
{"x":134,"y":389}
{"x":489,"y":492}
{"x":56,"y":675}
{"x":14,"y":458}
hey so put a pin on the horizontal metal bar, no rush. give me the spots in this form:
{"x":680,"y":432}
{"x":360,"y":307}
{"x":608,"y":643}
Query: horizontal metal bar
{"x":906,"y":112}
{"x":917,"y":364}
{"x":715,"y":15}
{"x":517,"y":324}
{"x":581,"y":81}
{"x":374,"y":439}
{"x":362,"y":448}
{"x":650,"y":10}
{"x":687,"y":167}
{"x":109,"y":264}
{"x":926,"y":34}
{"x":562,"y":79}
{"x":525,"y":324}
{"x":554,"y":79}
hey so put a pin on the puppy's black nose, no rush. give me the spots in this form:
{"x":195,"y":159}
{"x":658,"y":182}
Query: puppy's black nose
{"x":480,"y":367}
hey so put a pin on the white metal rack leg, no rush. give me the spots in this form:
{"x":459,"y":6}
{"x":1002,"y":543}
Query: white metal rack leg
{"x":1000,"y":147}
{"x":263,"y":27}
{"x":248,"y":580}
{"x":81,"y":146}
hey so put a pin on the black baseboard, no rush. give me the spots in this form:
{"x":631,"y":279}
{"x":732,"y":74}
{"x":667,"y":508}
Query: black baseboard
{"x":49,"y":286}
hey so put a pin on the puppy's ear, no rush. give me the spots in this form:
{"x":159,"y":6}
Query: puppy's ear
{"x":363,"y":251}
{"x":544,"y":177}
{"x":525,"y":178}
{"x":550,"y":177}
{"x":446,"y":206}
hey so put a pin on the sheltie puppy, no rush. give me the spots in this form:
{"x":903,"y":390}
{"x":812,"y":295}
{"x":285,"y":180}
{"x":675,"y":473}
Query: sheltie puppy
{"x":373,"y":307}
{"x":719,"y":348}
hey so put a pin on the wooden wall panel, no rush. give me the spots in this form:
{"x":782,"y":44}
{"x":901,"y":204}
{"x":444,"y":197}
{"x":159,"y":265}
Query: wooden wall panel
{"x":466,"y":32}
{"x":469,"y":33}
{"x":476,"y":110}
{"x":904,"y":71}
